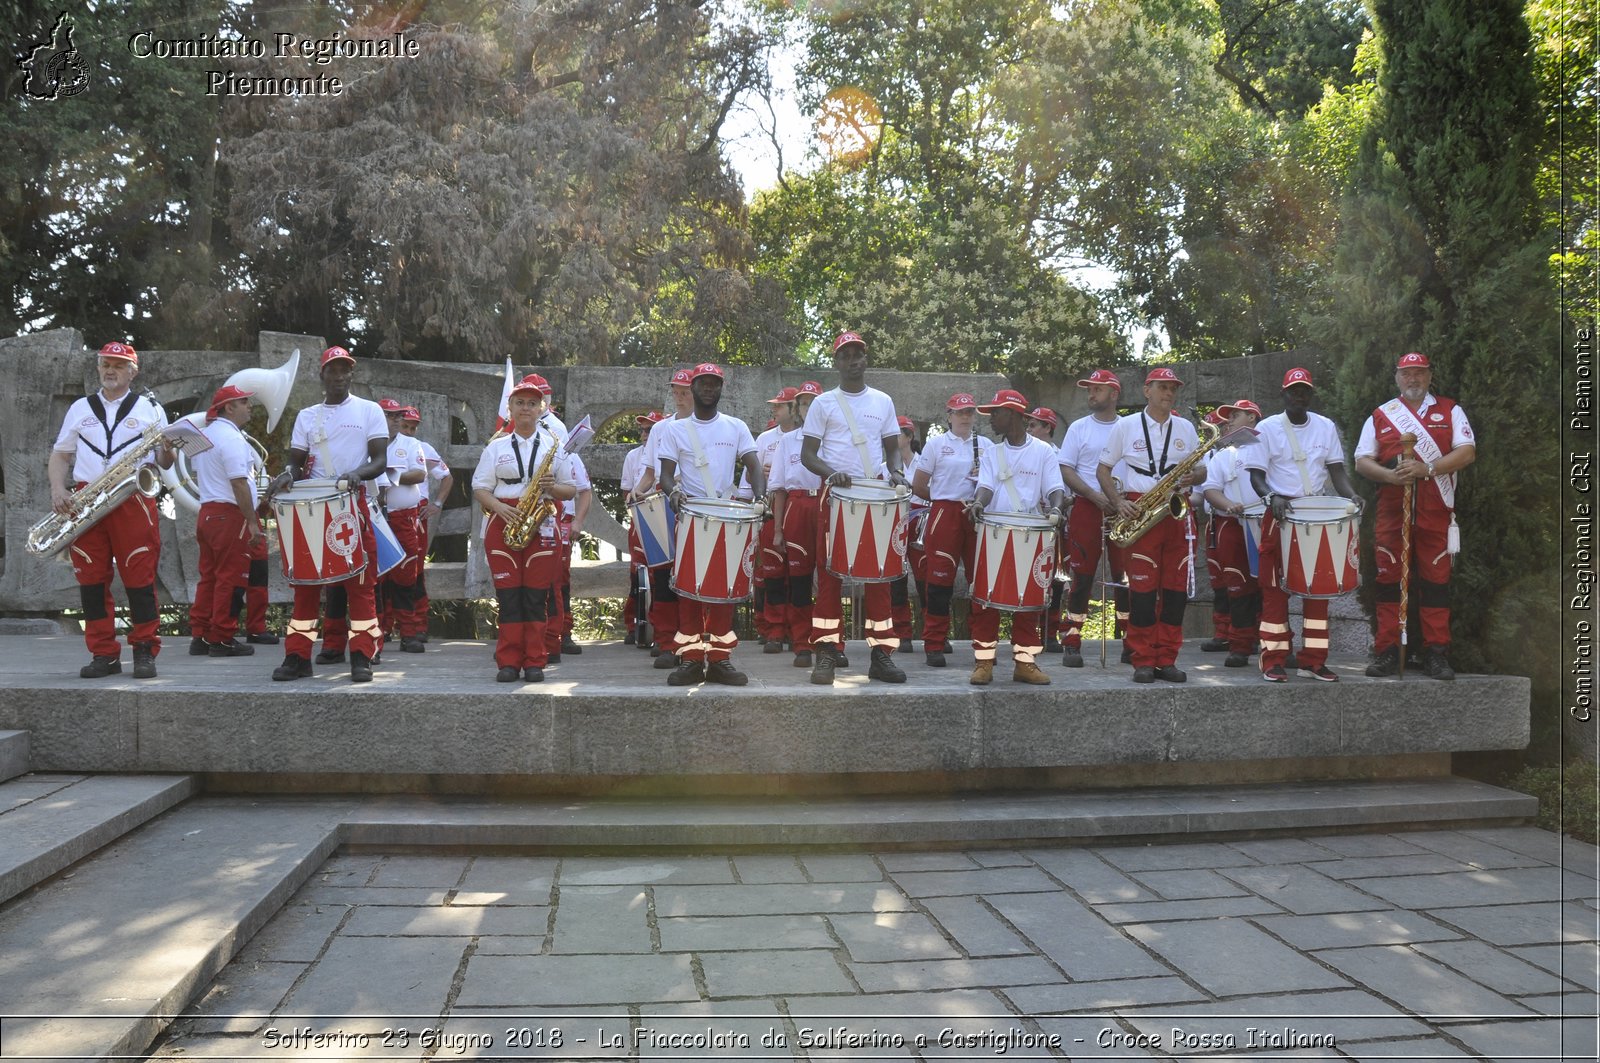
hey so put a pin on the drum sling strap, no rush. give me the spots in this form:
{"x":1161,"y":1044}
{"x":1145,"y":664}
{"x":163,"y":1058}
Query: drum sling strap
{"x":700,"y":462}
{"x":867,"y":464}
{"x":1003,"y":472}
{"x":1299,"y":454}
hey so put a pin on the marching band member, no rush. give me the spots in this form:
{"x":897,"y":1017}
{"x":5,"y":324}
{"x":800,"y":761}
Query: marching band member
{"x":1444,"y":446}
{"x":1079,"y":457}
{"x":1228,"y":492}
{"x":796,"y":492}
{"x":1220,"y":609}
{"x":900,"y":589}
{"x":574,"y":512}
{"x":525,"y":578}
{"x":698,"y":458}
{"x":851,"y":432}
{"x":632,"y":463}
{"x":96,"y":432}
{"x":227,"y":526}
{"x":1153,"y":442}
{"x":1042,"y":424}
{"x":1298,"y":454}
{"x":947,"y":476}
{"x":1018,"y":474}
{"x":346,"y":439}
{"x":663,"y":599}
{"x":435,"y":488}
{"x":772,"y":566}
{"x":402,"y":503}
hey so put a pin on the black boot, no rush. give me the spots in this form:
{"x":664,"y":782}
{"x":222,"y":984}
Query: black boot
{"x":883,"y":667}
{"x":144,"y":660}
{"x":360,"y":667}
{"x":262,"y":638}
{"x":199,"y":647}
{"x":101,"y":667}
{"x":827,"y":656}
{"x":293,"y":667}
{"x":231,"y":648}
{"x":1438,"y":667}
{"x":725,"y":673}
{"x":689,"y":673}
{"x":330,"y":657}
{"x":412,"y":644}
{"x":1386,"y":664}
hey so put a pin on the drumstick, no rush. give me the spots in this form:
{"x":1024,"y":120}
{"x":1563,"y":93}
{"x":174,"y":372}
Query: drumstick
{"x":1407,"y":444}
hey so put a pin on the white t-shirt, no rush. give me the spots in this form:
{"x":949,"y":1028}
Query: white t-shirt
{"x":1035,"y":475}
{"x":405,"y":455}
{"x":947,"y":459}
{"x":554,"y":425}
{"x":437,"y":469}
{"x":509,"y":462}
{"x":93,"y":445}
{"x":632,"y":467}
{"x":652,"y":450}
{"x":229,"y":458}
{"x":766,"y":451}
{"x":335,"y":437}
{"x":788,"y":472}
{"x":722,"y":442}
{"x":580,"y":476}
{"x":1226,"y":472}
{"x":1273,"y":453}
{"x":1176,"y":438}
{"x":1080,"y":449}
{"x":874,"y":417}
{"x":1460,"y":430}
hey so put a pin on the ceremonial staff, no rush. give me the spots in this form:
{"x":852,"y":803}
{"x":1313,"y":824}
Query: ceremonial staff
{"x":1408,"y":444}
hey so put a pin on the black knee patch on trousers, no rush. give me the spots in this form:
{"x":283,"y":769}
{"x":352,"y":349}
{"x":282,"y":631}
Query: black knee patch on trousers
{"x":142,"y":604}
{"x":402,"y":597}
{"x":1219,"y":600}
{"x":535,"y":604}
{"x":897,"y":592}
{"x":258,"y":573}
{"x":1244,"y":610}
{"x":338,"y":606}
{"x":1078,"y":596}
{"x":661,"y":585}
{"x":1433,"y":595}
{"x":1142,"y":608}
{"x":511,"y":605}
{"x":1388,"y":592}
{"x":939,"y":599}
{"x":800,"y":592}
{"x":1173,"y":603}
{"x":236,"y":601}
{"x":94,"y":600}
{"x":777,"y":588}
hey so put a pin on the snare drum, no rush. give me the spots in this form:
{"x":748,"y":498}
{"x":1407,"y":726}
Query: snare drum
{"x":1319,"y":545}
{"x":1014,"y":562}
{"x":716,"y":550}
{"x":657,"y":528}
{"x":390,"y":553}
{"x":867,"y":530}
{"x":1250,"y":521}
{"x":319,"y":533}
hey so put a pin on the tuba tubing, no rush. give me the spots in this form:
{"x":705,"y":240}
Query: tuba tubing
{"x":272,"y":387}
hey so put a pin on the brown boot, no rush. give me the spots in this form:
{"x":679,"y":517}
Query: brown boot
{"x":1028,"y":672}
{"x":982,"y":674}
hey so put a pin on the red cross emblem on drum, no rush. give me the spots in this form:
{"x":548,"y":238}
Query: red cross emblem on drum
{"x":343,"y":534}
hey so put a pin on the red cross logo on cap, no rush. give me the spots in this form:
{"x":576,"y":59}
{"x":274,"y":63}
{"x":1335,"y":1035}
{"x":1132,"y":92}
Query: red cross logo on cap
{"x":1413,"y":361}
{"x":1297,"y":376}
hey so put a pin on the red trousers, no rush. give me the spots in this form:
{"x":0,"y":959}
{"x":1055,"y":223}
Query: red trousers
{"x":772,"y":569}
{"x":559,"y":623}
{"x":1276,"y":639}
{"x":129,"y":537}
{"x":1243,"y":590}
{"x":1429,"y":583}
{"x":256,"y":591}
{"x":224,"y":571}
{"x":400,"y":611}
{"x":524,"y":587}
{"x":947,"y":541}
{"x":827,"y":611}
{"x":800,"y":529}
{"x":357,"y":596}
{"x":984,"y":623}
{"x":1158,"y":592}
{"x":705,"y":630}
{"x":1085,"y":539}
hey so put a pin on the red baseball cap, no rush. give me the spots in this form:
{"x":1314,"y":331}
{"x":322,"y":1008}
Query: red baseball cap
{"x":1297,"y":376}
{"x":1045,"y":414}
{"x":1413,"y":361}
{"x":704,"y":369}
{"x":224,"y":395}
{"x":810,"y":387}
{"x":532,"y":382}
{"x":1101,"y":376}
{"x":961,"y":401}
{"x":123,"y":351}
{"x":1242,"y":404}
{"x":847,"y":338}
{"x":389,"y":406}
{"x":905,"y":423}
{"x":652,"y":417}
{"x":411,"y":413}
{"x":785,"y":395}
{"x":1160,"y":373}
{"x":682,"y":378}
{"x":1006,"y":399}
{"x":334,"y":354}
{"x":1216,"y":416}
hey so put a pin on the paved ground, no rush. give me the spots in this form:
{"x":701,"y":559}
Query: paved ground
{"x":1438,"y":945}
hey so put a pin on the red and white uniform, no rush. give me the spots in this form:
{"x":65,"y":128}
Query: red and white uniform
{"x":1295,"y":459}
{"x":525,"y":579}
{"x":663,"y":599}
{"x":771,"y":564}
{"x":554,"y":632}
{"x":221,"y":530}
{"x":97,"y":433}
{"x":705,"y":454}
{"x":1226,"y":472}
{"x":403,"y":504}
{"x":1158,"y":563}
{"x":1080,"y":451}
{"x":1444,"y":425}
{"x":632,"y":466}
{"x":803,"y":491}
{"x":1020,"y":479}
{"x":842,"y":451}
{"x":947,"y":540}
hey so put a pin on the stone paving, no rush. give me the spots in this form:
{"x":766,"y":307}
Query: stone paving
{"x":1469,"y":944}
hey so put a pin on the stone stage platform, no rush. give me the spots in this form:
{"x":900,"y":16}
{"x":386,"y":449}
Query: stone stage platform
{"x":606,"y":724}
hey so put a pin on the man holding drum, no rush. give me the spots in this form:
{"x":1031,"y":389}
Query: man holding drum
{"x":947,"y":476}
{"x":1298,"y":455}
{"x":772,"y":567}
{"x":1236,"y":522}
{"x":663,"y":599}
{"x":1018,"y":475}
{"x":435,"y":489}
{"x":698,"y":456}
{"x":345,"y":440}
{"x":402,"y":502}
{"x":525,"y":578}
{"x":1042,"y":424}
{"x":1079,"y":457}
{"x":633,"y":614}
{"x":1443,"y":446}
{"x":851,"y":433}
{"x":795,"y":494}
{"x":226,"y":527}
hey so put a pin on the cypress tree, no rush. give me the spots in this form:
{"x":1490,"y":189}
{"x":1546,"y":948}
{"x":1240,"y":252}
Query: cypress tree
{"x":1440,"y":251}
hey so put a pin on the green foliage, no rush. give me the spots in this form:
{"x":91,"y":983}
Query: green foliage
{"x":1567,"y":798}
{"x":1566,"y":54}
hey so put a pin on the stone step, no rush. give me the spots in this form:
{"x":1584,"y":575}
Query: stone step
{"x":50,"y":822}
{"x":96,"y":963}
{"x":13,"y":754}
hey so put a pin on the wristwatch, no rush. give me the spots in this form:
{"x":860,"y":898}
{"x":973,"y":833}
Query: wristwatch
{"x":1430,"y":470}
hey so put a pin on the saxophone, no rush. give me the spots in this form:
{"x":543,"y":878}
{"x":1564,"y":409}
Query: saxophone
{"x":1167,"y":498}
{"x":105,"y":493}
{"x":533,"y":508}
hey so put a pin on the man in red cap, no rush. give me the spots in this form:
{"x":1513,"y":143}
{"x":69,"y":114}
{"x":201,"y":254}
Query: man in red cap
{"x":900,"y":589}
{"x":663,"y":599}
{"x":1079,"y":457}
{"x":1153,"y":442}
{"x":99,"y":431}
{"x":851,"y":432}
{"x":947,"y":476}
{"x":1220,"y":611}
{"x":772,"y":566}
{"x":795,"y":494}
{"x":633,"y":613}
{"x":402,"y":507}
{"x":226,"y":527}
{"x":1230,"y":544}
{"x":435,"y":490}
{"x":1042,"y":424}
{"x":1018,"y":474}
{"x":525,"y":578}
{"x":344,"y":439}
{"x":1298,"y":455}
{"x":1444,"y":446}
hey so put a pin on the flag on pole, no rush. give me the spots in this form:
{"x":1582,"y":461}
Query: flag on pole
{"x":502,"y":423}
